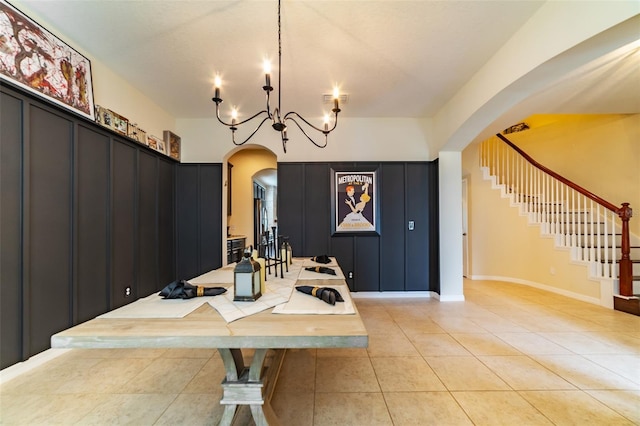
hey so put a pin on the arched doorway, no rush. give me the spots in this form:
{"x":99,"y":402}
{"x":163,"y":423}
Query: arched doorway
{"x":249,"y":167}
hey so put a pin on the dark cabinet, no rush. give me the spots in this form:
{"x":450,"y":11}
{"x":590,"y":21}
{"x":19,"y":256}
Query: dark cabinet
{"x":235,"y":249}
{"x":49,"y":220}
{"x":93,"y":224}
{"x":11,"y":255}
{"x":199,"y":219}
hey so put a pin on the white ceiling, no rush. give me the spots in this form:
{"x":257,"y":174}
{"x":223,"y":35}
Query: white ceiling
{"x":393,"y":58}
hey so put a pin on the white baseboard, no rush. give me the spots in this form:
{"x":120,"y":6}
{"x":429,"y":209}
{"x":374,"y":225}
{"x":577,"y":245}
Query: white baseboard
{"x":450,"y":297}
{"x":15,"y":370}
{"x":577,"y":296}
{"x":391,"y":294}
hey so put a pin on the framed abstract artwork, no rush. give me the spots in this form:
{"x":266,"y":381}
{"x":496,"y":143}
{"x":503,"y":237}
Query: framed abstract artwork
{"x":39,"y":62}
{"x":354,"y":202}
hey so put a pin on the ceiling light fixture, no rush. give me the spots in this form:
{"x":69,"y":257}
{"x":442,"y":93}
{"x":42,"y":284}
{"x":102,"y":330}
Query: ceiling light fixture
{"x":278,"y":121}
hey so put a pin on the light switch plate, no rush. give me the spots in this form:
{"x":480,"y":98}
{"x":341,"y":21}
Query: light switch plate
{"x":411,"y":225}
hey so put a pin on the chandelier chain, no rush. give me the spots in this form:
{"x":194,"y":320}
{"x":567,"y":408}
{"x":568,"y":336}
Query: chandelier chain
{"x":279,"y":59}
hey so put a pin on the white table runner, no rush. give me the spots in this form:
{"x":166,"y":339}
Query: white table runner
{"x":155,"y":306}
{"x":278,"y":291}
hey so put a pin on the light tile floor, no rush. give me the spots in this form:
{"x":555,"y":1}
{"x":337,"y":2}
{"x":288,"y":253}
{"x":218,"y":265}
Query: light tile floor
{"x":508,"y":355}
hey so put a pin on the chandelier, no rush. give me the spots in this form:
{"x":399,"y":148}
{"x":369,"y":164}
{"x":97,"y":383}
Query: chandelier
{"x":278,"y":120}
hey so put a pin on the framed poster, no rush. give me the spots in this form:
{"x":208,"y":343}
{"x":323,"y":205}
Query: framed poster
{"x":36,"y":60}
{"x":354,"y":202}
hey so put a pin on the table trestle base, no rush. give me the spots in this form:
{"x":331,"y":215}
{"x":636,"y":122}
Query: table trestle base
{"x":253,"y":386}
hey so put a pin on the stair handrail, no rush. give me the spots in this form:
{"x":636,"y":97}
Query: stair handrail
{"x":624,"y":212}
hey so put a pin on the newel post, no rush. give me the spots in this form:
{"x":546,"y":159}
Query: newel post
{"x":626,"y":267}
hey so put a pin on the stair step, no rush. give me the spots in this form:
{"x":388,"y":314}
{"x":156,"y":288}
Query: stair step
{"x":630,"y":306}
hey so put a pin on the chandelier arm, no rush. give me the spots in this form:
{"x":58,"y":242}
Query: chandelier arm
{"x":267,"y":90}
{"x":240,"y":122}
{"x":233,"y":132}
{"x":305,"y":133}
{"x":326,"y":132}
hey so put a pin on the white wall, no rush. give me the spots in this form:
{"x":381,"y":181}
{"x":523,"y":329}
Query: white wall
{"x":355,"y":139}
{"x":450,"y":200}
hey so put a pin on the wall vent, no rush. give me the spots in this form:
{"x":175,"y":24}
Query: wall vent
{"x":328,"y":99}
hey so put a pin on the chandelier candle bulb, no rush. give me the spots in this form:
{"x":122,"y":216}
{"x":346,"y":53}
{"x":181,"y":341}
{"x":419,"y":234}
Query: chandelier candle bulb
{"x":217,"y":82}
{"x":266,"y":65}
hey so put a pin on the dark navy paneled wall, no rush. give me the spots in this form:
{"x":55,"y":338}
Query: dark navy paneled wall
{"x":398,"y":259}
{"x":88,"y":221}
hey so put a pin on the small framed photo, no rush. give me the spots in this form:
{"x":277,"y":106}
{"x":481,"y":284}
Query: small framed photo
{"x":103,"y":116}
{"x":173,"y":144}
{"x":120,"y":124}
{"x":136,"y":133}
{"x":162,"y":147}
{"x":153,"y":142}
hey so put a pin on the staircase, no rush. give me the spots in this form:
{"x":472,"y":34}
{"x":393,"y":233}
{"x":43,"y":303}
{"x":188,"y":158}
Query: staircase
{"x":595,"y":231}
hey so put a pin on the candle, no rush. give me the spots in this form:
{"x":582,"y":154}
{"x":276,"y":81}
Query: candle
{"x":262,"y":263}
{"x":217,"y":83}
{"x":326,"y":122}
{"x":234,"y":115}
{"x":283,"y":254}
{"x":267,"y":72}
{"x":336,"y":97}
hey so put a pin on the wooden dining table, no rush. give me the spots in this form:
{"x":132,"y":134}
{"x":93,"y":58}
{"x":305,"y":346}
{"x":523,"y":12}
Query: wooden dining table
{"x":267,"y":334}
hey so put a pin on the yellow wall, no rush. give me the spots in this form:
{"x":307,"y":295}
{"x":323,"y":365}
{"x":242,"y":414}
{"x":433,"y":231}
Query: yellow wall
{"x":601,"y":153}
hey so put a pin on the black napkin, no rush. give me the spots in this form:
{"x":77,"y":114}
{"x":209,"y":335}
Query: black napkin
{"x":321,"y":269}
{"x":183,"y":290}
{"x":321,"y":259}
{"x":326,"y":294}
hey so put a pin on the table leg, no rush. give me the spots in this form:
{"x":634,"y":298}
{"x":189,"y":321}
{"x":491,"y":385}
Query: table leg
{"x":253,"y":386}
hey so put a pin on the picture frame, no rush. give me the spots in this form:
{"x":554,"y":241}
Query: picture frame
{"x":39,"y":62}
{"x":154,"y":142}
{"x":162,"y":147}
{"x":103,"y":117}
{"x":173,"y":144}
{"x":120,"y":124}
{"x":137,"y":134}
{"x":355,"y":203}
